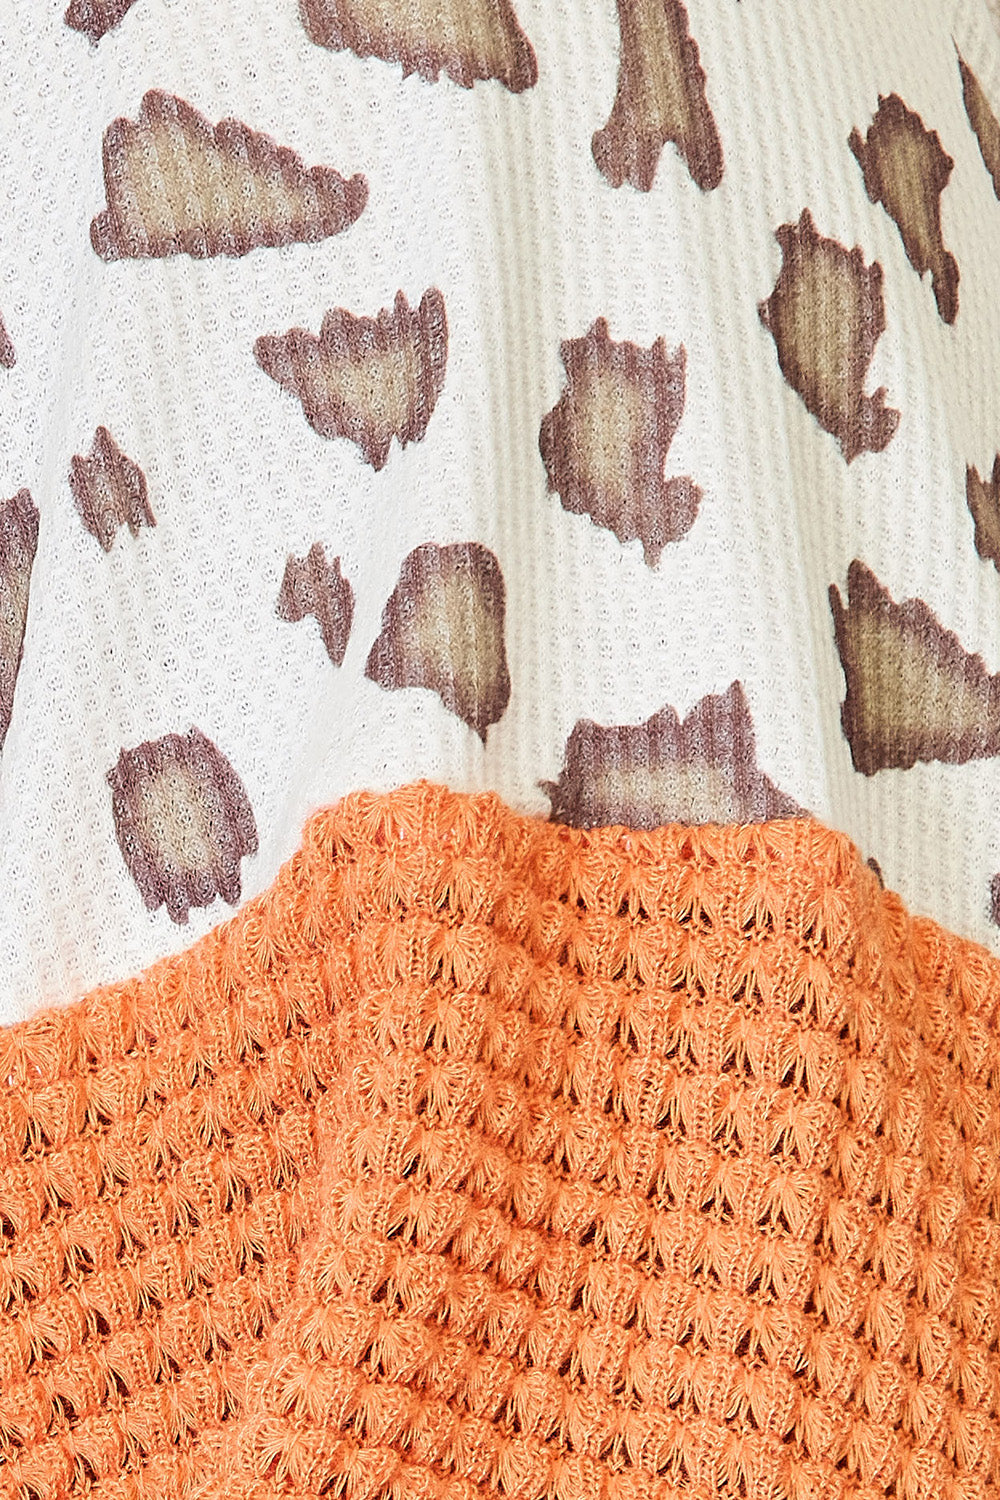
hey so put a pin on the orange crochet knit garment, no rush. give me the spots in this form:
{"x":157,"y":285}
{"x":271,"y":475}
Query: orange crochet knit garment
{"x":487,"y":1158}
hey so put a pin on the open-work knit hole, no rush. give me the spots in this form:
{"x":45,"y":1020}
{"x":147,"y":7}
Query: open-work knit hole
{"x":624,"y":1037}
{"x":229,"y":1406}
{"x":19,"y":1289}
{"x":746,"y":992}
{"x":674,"y":1469}
{"x":811,"y":937}
{"x":250,"y":1255}
{"x":84,"y":1473}
{"x":637,"y":912}
{"x":696,"y":918}
{"x":63,"y":1412}
{"x":77,"y":1263}
{"x":284,"y":1173}
{"x":220,"y":1344}
{"x":41,"y":1350}
{"x":238,"y":1194}
{"x":116,"y":1387}
{"x":136,"y":1451}
{"x":758,"y":921}
{"x":184,"y":1218}
{"x":167,"y":1367}
{"x":97,"y":1324}
{"x":36,"y":1138}
{"x":55,"y":1199}
{"x":149,"y":1300}
{"x":114,"y":1179}
{"x":771,"y":1220}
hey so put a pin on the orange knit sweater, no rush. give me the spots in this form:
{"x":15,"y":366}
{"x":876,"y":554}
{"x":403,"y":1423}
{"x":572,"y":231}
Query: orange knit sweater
{"x":486,"y":1158}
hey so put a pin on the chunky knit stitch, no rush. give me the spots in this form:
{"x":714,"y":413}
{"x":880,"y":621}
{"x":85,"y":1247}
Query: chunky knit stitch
{"x":483,"y":1157}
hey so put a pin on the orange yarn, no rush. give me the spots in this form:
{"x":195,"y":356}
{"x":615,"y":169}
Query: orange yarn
{"x":483,"y":1157}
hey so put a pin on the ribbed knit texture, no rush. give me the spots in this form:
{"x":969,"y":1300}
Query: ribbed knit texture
{"x":482,"y":1157}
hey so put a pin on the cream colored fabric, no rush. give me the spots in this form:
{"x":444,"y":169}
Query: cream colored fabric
{"x":520,"y":550}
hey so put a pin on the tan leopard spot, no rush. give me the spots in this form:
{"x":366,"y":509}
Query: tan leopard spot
{"x":983,"y":499}
{"x":183,"y":822}
{"x":605,"y":442}
{"x":906,"y":169}
{"x":18,"y":544}
{"x":177,"y":185}
{"x":467,"y":40}
{"x":367,"y":379}
{"x":702,"y":769}
{"x":312,"y":586}
{"x":826,"y":314}
{"x":109,"y":489}
{"x":443,"y":629}
{"x":913,"y":691}
{"x":985,"y":125}
{"x":173,"y":817}
{"x":660,"y":97}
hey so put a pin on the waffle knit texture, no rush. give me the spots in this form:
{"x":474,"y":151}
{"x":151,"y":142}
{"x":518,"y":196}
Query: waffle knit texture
{"x":484,"y":1158}
{"x":440,"y":389}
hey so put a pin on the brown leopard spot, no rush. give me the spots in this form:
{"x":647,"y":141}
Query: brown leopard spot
{"x":443,"y":629}
{"x":183,"y":822}
{"x":983,"y":499}
{"x":109,"y":489}
{"x":18,"y":544}
{"x":367,"y":379}
{"x":8,"y":357}
{"x":96,"y":17}
{"x":702,"y":769}
{"x":176,"y":185}
{"x":826,"y":314}
{"x":604,"y":444}
{"x":985,"y":125}
{"x":467,"y":40}
{"x":312,"y":586}
{"x":913,"y":692}
{"x":661,"y":97}
{"x":906,"y":170}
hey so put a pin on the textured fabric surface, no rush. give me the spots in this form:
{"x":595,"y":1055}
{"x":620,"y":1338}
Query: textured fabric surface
{"x":484,"y":1157}
{"x":595,"y":401}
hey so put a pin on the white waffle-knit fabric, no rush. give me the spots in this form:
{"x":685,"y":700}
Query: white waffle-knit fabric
{"x":494,"y":198}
